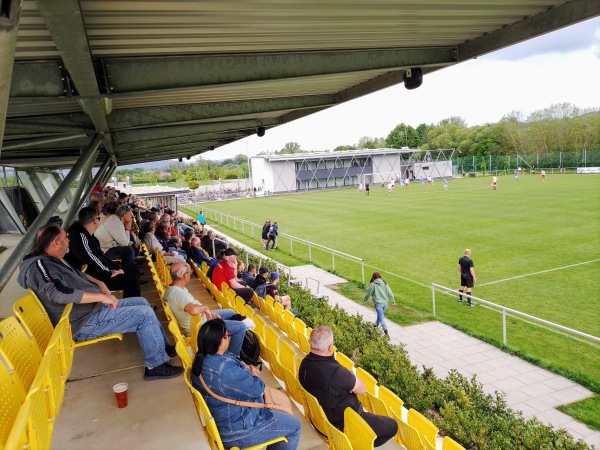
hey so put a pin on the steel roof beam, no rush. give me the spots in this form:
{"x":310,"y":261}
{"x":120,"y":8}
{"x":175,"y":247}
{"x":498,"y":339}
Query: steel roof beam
{"x":181,"y":114}
{"x":560,"y":16}
{"x":65,"y":24}
{"x":176,"y":72}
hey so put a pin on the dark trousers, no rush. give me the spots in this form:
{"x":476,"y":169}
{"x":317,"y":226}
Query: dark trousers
{"x":125,"y":253}
{"x":128,"y":283}
{"x":246,"y":293}
{"x":272,"y":239}
{"x":384,"y":427}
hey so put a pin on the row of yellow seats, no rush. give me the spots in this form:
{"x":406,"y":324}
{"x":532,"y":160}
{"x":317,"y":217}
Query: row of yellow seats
{"x":32,"y":386}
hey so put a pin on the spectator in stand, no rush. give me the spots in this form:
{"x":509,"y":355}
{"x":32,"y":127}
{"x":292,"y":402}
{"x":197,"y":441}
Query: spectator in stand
{"x":96,"y":312}
{"x":147,"y":235}
{"x":226,"y":376}
{"x":265,"y":234}
{"x":98,"y":195}
{"x":122,"y":198}
{"x":183,"y":304}
{"x":197,"y":254}
{"x":249,"y":275}
{"x":213,"y":263}
{"x":226,"y":271}
{"x":97,"y":188}
{"x":114,"y":234}
{"x":273,"y":233}
{"x":271,"y":288}
{"x":187,"y":241}
{"x":336,"y":388}
{"x":162,"y":233}
{"x":85,"y":249}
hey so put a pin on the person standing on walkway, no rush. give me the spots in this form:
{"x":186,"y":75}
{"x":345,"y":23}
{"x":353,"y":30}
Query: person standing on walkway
{"x":467,"y":276}
{"x":273,"y":233}
{"x":382,"y":294}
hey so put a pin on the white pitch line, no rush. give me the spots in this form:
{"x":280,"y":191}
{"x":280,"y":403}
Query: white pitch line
{"x":303,"y":201}
{"x":537,"y":273}
{"x":399,"y":276}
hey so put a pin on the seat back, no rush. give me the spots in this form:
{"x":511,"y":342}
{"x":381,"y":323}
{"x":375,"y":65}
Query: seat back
{"x":294,"y":389}
{"x":411,"y":439}
{"x":303,"y":342}
{"x":360,"y":434}
{"x":35,"y":320}
{"x":182,"y":352}
{"x":11,"y":398}
{"x":318,"y":419}
{"x":377,"y":405}
{"x":176,"y":332}
{"x":195,"y":324}
{"x":299,"y":325}
{"x":247,"y":311}
{"x":224,"y":287}
{"x":449,"y":444}
{"x":423,"y":425}
{"x":344,"y":361}
{"x":337,"y":439}
{"x":392,"y":402}
{"x":260,"y":327}
{"x":239,"y":304}
{"x":19,"y":351}
{"x":272,"y":339}
{"x":63,"y":339}
{"x":287,"y":356}
{"x":370,"y":383}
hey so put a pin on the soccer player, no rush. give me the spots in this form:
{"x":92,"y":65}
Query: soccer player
{"x":494,"y":181}
{"x":516,"y":175}
{"x":543,"y":174}
{"x":445,"y":184}
{"x":467,"y":276}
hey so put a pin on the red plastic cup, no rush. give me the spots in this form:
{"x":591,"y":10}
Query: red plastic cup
{"x":121,"y":394}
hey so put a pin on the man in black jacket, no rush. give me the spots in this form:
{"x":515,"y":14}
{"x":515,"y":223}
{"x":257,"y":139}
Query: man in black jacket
{"x":84,"y":248}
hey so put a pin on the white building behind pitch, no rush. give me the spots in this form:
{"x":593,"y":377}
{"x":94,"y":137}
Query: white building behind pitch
{"x":307,"y":171}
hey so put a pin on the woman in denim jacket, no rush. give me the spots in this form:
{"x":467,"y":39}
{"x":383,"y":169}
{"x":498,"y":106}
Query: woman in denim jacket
{"x":227,"y":376}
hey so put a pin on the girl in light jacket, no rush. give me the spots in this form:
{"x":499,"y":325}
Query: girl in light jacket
{"x":382,"y":294}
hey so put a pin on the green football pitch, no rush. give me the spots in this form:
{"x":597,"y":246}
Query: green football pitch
{"x":535,"y":245}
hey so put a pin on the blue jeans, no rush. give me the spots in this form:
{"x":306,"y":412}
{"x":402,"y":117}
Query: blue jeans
{"x":178,"y":252}
{"x":125,"y":253}
{"x":284,"y":425}
{"x":133,"y":314}
{"x":235,"y":327}
{"x":379,"y":309}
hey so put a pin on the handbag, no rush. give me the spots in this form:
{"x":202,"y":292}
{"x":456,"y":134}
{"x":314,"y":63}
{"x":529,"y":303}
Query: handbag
{"x":274,"y":399}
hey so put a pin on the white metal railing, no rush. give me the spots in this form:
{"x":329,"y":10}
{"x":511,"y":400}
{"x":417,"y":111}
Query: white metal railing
{"x":516,"y":314}
{"x":233,"y":222}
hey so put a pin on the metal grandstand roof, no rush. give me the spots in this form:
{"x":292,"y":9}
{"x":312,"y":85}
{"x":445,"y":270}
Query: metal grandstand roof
{"x":169,"y":79}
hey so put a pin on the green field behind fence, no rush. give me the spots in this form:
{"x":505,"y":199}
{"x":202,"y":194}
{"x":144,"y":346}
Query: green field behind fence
{"x":536,"y":248}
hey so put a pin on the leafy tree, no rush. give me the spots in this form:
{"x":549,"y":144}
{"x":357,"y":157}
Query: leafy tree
{"x":341,"y":148}
{"x":368,"y":142}
{"x":402,"y":136}
{"x":290,"y":147}
{"x":422,"y":131}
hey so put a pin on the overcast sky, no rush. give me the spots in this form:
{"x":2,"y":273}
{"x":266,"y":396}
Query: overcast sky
{"x":563,"y":66}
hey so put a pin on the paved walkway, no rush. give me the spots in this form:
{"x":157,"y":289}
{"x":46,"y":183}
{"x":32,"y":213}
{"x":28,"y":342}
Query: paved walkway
{"x":530,"y":389}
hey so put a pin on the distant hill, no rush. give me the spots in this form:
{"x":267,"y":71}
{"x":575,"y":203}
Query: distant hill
{"x":148,"y":165}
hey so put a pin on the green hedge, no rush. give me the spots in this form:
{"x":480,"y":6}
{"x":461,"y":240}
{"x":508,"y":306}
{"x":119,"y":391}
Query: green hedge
{"x":458,"y":406}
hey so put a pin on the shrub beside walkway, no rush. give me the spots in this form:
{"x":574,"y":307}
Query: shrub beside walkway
{"x":528,"y":388}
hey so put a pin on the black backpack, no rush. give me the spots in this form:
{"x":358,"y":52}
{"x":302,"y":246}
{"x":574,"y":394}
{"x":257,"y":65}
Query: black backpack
{"x":250,"y":353}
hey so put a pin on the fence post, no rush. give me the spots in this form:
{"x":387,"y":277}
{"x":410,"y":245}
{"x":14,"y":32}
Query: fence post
{"x":504,"y":326}
{"x":243,"y":228}
{"x":332,"y":259}
{"x":309,"y":254}
{"x":291,"y":246}
{"x":362,"y":268}
{"x":433,"y":298}
{"x":252,"y":231}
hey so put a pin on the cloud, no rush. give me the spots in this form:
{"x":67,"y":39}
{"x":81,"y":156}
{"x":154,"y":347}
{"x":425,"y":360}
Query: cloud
{"x":582,"y":36}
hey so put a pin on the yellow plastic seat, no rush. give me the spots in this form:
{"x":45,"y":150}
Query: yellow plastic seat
{"x":287,"y":356}
{"x":337,"y":439}
{"x":410,"y":437}
{"x":209,"y":425}
{"x":260,"y":327}
{"x":184,"y":355}
{"x":450,"y":444}
{"x":63,"y":339}
{"x":271,"y":313}
{"x":294,"y":389}
{"x":278,"y":310}
{"x":33,"y":426}
{"x":360,"y":434}
{"x":34,"y":318}
{"x":77,"y":344}
{"x":247,"y":311}
{"x":377,"y":405}
{"x":195,"y":324}
{"x":224,"y":287}
{"x":169,"y":314}
{"x":12,"y":397}
{"x":370,"y":383}
{"x":392,"y":402}
{"x":239,"y":304}
{"x":299,"y":325}
{"x":344,"y":361}
{"x":304,"y":344}
{"x":424,"y":426}
{"x":275,"y":366}
{"x":176,"y":332}
{"x":20,"y":352}
{"x":260,"y":303}
{"x":272,"y":339}
{"x":204,"y":267}
{"x":318,"y":419}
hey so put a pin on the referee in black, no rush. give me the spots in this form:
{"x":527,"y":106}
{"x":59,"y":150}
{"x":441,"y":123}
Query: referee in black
{"x":467,"y":276}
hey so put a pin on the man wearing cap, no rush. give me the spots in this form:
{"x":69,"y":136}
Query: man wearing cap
{"x":226,"y":270}
{"x":183,"y":304}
